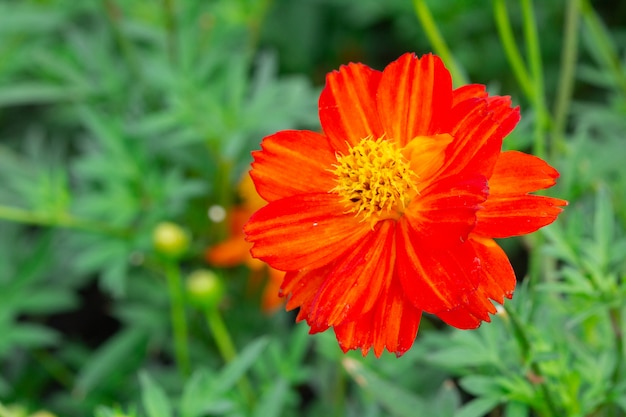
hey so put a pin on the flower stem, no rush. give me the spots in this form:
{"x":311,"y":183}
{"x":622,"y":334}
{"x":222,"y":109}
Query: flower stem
{"x":523,"y":339}
{"x":536,"y":68}
{"x":615,"y":314}
{"x":566,"y":75}
{"x":59,"y":220}
{"x":511,"y":50}
{"x":439,"y":44}
{"x":227,"y":348}
{"x":177,"y":313}
{"x":172,"y":30}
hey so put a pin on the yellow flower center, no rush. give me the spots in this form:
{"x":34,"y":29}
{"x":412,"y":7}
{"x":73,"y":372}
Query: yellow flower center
{"x":374,"y":180}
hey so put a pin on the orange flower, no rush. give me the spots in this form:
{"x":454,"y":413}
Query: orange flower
{"x":393,"y":210}
{"x":235,"y":250}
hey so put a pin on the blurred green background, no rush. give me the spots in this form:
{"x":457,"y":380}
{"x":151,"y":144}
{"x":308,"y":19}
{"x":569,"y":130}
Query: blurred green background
{"x":117,"y":116}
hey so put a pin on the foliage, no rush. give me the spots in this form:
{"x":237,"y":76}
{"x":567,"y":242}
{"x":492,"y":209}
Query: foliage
{"x":117,"y":117}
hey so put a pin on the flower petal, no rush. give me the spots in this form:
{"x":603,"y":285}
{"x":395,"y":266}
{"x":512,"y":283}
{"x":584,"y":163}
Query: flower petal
{"x":435,"y":279}
{"x":301,"y":287}
{"x":468,"y":92}
{"x":445,"y":212}
{"x":414,"y":97}
{"x":391,"y":324}
{"x":516,"y":173}
{"x":270,"y":300}
{"x":506,"y":216}
{"x":293,"y":162}
{"x":497,"y":280}
{"x":303,"y":231}
{"x":353,"y":285}
{"x":426,"y":154}
{"x":347,"y":106}
{"x":478,"y":126}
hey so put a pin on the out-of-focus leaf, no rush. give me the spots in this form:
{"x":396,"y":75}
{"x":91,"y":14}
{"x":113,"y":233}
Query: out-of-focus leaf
{"x":478,"y":407}
{"x":393,"y":398}
{"x":107,"y":359}
{"x":28,"y":335}
{"x":153,"y":398}
{"x":272,"y":402}
{"x":516,"y":409}
{"x":23,"y":94}
{"x":235,"y":369}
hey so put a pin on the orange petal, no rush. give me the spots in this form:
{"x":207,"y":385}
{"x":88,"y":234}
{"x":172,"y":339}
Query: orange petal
{"x":353,"y":285}
{"x":468,"y":92}
{"x":303,"y":231}
{"x":231,"y":252}
{"x":445,"y":213}
{"x":293,"y":162}
{"x":301,"y":287}
{"x":391,"y":324}
{"x":426,"y":154}
{"x":518,"y":173}
{"x":270,"y":300}
{"x":435,"y":279}
{"x":468,"y":315}
{"x":497,"y":278}
{"x":506,"y":216}
{"x":347,"y":106}
{"x":414,"y":97}
{"x":478,"y":126}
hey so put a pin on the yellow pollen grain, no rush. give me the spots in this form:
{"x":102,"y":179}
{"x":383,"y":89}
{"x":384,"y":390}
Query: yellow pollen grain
{"x":374,"y":180}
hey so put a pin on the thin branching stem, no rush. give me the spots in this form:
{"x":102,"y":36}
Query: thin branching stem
{"x":60,"y":220}
{"x":523,"y":339}
{"x":533,"y":51}
{"x":178,"y":316}
{"x":566,"y":75}
{"x":439,"y":44}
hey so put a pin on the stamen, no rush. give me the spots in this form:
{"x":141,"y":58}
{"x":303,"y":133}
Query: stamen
{"x":374,"y":180}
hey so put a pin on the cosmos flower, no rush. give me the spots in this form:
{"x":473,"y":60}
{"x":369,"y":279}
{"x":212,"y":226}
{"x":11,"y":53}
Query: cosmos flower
{"x":236,"y":251}
{"x":392,"y":210}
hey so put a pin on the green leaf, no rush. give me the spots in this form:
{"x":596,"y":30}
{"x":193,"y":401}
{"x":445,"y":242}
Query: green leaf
{"x":480,"y":385}
{"x":394,"y":398}
{"x":33,"y":93}
{"x":28,"y":335}
{"x":153,"y":398}
{"x":516,"y":409}
{"x":107,"y":359}
{"x":235,"y":369}
{"x":200,"y":398}
{"x":272,"y":403}
{"x":478,"y":407}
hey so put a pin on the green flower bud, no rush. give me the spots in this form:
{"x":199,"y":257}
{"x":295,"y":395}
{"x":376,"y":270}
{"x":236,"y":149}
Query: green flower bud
{"x":170,"y":240}
{"x":205,"y":289}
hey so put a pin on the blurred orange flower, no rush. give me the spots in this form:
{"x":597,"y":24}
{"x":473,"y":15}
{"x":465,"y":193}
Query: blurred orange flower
{"x":392,"y":210}
{"x":236,"y":251}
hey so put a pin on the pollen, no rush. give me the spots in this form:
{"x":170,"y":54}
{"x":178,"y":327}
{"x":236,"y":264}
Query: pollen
{"x":374,"y":180}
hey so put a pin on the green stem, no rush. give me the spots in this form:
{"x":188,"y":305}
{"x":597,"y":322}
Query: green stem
{"x":566,"y":76}
{"x":615,"y":314}
{"x":602,"y":41}
{"x":55,"y":368}
{"x":511,"y":50}
{"x":439,"y":44}
{"x":172,"y":30}
{"x":59,"y":220}
{"x":226,"y":348}
{"x":523,"y":339}
{"x":177,"y":312}
{"x":536,"y":69}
